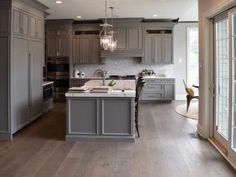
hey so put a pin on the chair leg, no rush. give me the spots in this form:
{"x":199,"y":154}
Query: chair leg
{"x":136,"y":122}
{"x":188,"y":102}
{"x":137,"y":129}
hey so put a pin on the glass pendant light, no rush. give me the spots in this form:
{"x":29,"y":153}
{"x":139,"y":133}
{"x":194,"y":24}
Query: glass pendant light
{"x":105,"y":36}
{"x":113,"y":42}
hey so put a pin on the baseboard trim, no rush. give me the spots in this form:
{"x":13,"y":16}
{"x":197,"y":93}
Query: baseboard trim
{"x":5,"y":136}
{"x":201,"y":132}
{"x":222,"y":153}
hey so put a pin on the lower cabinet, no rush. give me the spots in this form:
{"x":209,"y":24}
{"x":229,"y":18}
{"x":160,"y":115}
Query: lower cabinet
{"x":116,"y":117}
{"x":20,"y":84}
{"x":26,"y":82}
{"x":36,"y":89}
{"x":159,"y":89}
{"x":100,"y":118}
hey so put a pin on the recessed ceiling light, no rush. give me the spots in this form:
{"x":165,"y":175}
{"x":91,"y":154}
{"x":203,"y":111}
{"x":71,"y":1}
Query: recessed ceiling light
{"x":78,"y":17}
{"x":155,"y":15}
{"x":59,"y":2}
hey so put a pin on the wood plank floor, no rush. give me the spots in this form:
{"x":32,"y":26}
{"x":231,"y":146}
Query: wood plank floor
{"x":168,"y":147}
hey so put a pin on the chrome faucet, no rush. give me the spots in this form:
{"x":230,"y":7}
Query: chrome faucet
{"x":101,"y":73}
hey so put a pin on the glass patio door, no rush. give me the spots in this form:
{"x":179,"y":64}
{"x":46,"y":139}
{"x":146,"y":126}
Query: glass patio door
{"x":221,"y":124}
{"x":233,"y":139}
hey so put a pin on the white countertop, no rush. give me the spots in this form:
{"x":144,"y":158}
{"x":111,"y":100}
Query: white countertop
{"x":92,"y":78}
{"x":157,"y":77}
{"x":47,"y":83}
{"x":123,"y":88}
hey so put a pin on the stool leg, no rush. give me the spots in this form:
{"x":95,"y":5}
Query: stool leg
{"x":136,"y":121}
{"x":188,"y":102}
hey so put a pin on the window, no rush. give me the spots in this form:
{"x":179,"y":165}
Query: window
{"x":192,"y":56}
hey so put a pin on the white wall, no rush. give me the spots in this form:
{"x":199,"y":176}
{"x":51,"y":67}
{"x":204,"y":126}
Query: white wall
{"x":180,"y":54}
{"x":130,"y":66}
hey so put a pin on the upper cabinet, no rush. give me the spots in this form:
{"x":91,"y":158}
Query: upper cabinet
{"x":26,"y":24}
{"x":158,"y":43}
{"x":86,"y":44}
{"x":20,"y":22}
{"x":58,"y":35}
{"x":128,"y":33}
{"x":158,"y":48}
{"x":36,"y":27}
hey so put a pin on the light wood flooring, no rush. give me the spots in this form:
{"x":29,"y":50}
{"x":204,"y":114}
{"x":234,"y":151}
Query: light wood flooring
{"x":168,"y":147}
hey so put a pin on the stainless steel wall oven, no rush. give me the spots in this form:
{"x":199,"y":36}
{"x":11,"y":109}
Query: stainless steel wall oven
{"x":58,"y":72}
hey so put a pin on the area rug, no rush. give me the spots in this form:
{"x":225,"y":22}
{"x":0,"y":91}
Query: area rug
{"x":192,"y":112}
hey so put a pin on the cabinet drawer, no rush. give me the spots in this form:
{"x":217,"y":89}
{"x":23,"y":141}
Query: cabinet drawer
{"x":170,"y":81}
{"x":153,"y":81}
{"x":156,"y":88}
{"x":152,"y":96}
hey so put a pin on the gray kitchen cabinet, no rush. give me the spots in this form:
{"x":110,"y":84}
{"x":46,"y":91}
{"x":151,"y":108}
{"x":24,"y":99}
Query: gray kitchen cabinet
{"x":128,"y":33}
{"x":158,"y":49}
{"x":169,"y":91}
{"x":57,"y":46}
{"x":36,"y":27}
{"x":149,"y":50}
{"x":167,"y":42}
{"x":100,"y":118}
{"x":20,"y":65}
{"x":52,"y":46}
{"x":36,"y":92}
{"x":83,"y":121}
{"x":116,"y":117}
{"x":86,"y":49}
{"x":20,"y":22}
{"x":63,"y":46}
{"x":157,"y":89}
{"x":121,"y":37}
{"x":20,"y":84}
{"x":58,"y":38}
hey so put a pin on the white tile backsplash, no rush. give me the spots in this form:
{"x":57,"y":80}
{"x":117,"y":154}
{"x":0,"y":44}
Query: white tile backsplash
{"x":125,"y":66}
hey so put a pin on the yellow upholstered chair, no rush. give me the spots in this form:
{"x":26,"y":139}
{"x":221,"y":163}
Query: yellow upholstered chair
{"x":189,"y":95}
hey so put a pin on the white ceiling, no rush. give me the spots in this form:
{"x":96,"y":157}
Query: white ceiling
{"x":187,"y":10}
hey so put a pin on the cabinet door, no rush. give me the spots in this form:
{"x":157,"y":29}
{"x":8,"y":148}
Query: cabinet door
{"x":149,"y":50}
{"x":36,"y":93}
{"x":95,"y":50}
{"x":20,"y":83}
{"x":158,"y":49}
{"x":83,"y":116}
{"x":169,"y":92}
{"x":25,"y":24}
{"x":17,"y":21}
{"x":117,"y":116}
{"x":134,"y":38}
{"x":63,"y":44}
{"x":52,"y":46}
{"x":85,"y":49}
{"x":76,"y":51}
{"x":33,"y":27}
{"x":121,"y":35}
{"x":167,"y":57}
{"x":39,"y":28}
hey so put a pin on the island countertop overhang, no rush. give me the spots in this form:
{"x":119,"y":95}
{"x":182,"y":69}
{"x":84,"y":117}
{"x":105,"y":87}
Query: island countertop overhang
{"x":123,"y":88}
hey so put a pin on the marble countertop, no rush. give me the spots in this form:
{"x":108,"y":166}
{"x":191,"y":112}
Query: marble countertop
{"x":123,"y":88}
{"x":92,"y":78}
{"x":157,"y":77}
{"x":47,"y":83}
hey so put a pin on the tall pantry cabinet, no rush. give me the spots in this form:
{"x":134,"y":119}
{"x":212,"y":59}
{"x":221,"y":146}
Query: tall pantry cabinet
{"x":21,"y":64}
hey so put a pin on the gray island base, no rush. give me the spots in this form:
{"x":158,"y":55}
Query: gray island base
{"x":102,"y":116}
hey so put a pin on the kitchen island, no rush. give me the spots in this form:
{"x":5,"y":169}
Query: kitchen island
{"x":101,"y":116}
